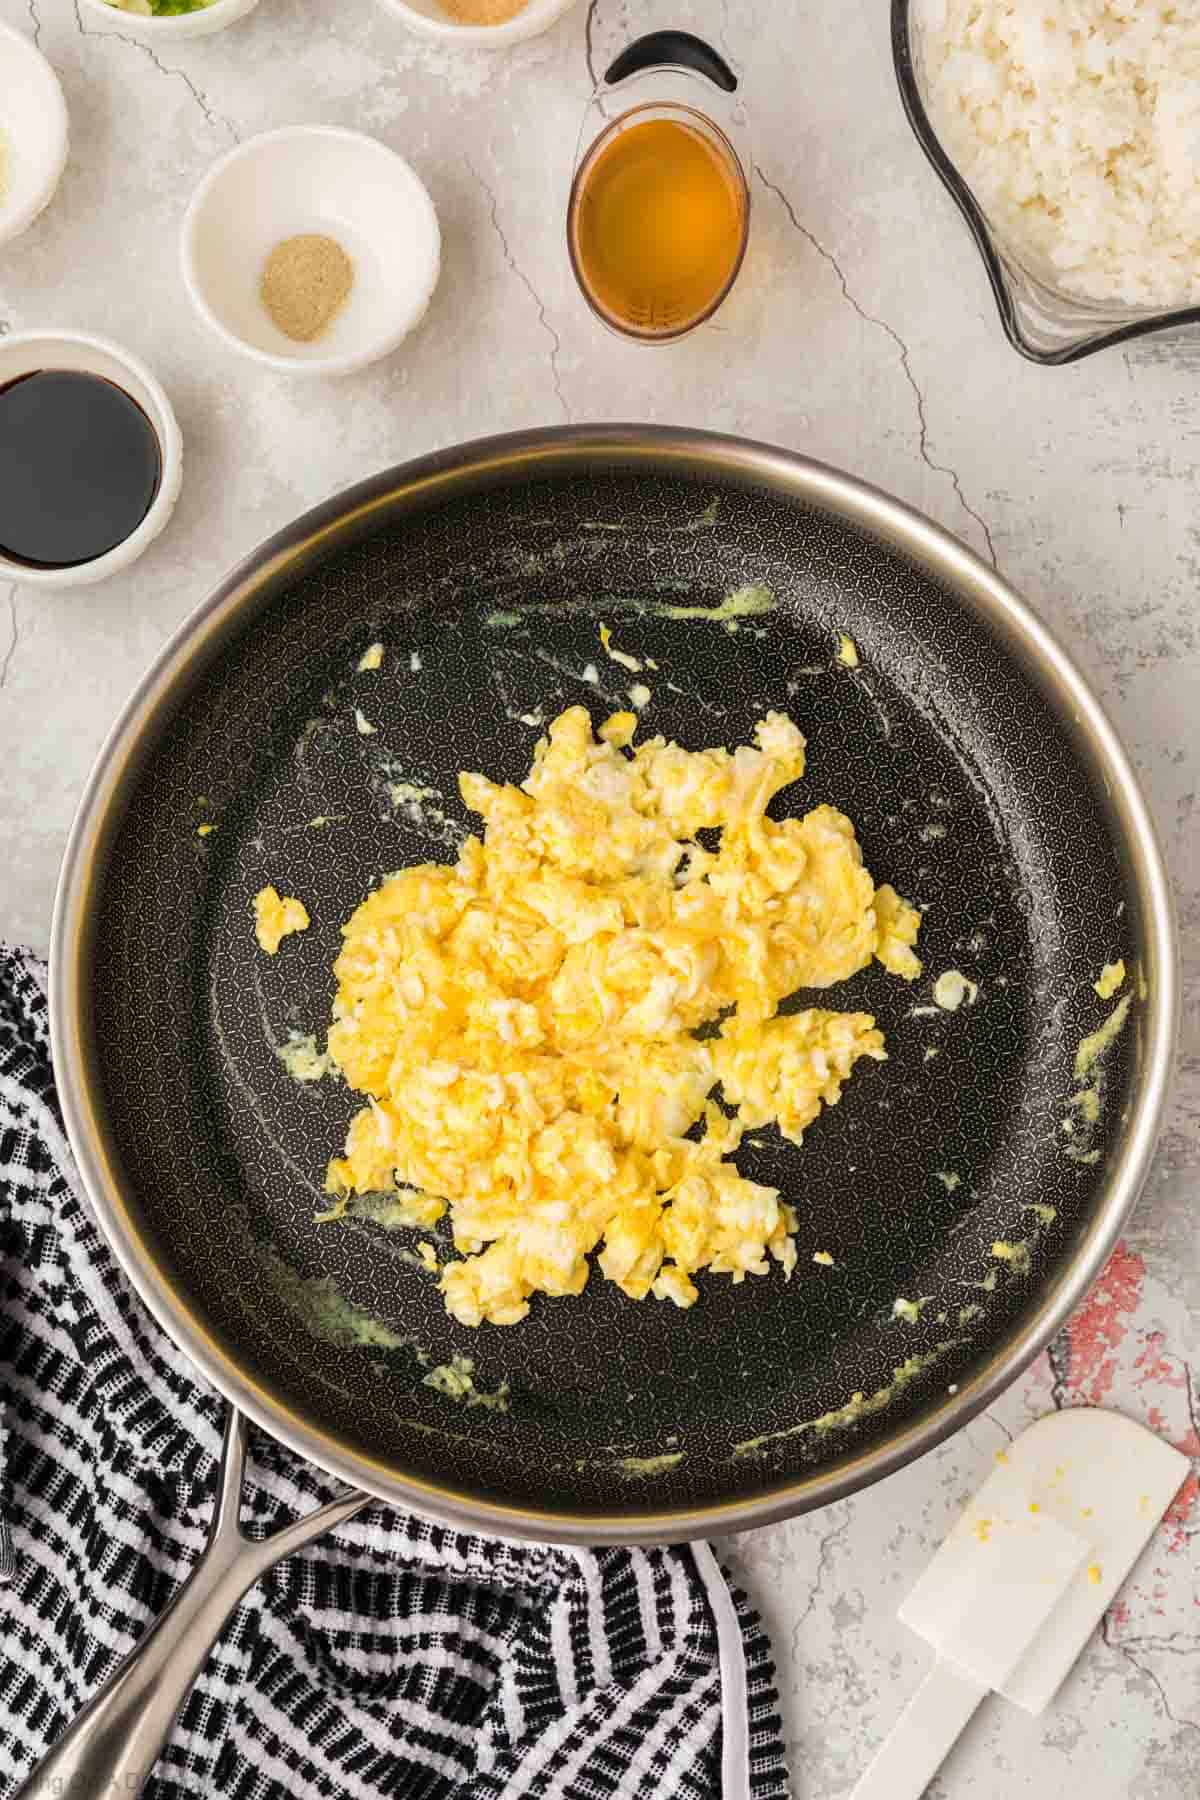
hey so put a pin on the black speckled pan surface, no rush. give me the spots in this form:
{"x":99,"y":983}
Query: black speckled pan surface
{"x":968,"y":795}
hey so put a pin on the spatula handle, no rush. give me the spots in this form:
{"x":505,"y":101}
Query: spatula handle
{"x":922,"y":1737}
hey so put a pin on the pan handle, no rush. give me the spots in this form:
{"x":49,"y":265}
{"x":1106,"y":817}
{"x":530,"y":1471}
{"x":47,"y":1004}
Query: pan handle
{"x":113,"y":1744}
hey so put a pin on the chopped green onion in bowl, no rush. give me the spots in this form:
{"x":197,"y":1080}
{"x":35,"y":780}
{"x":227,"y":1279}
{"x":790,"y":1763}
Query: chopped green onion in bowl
{"x":159,"y":9}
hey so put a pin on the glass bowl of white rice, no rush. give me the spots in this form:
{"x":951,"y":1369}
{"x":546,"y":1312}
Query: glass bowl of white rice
{"x":1068,"y":136}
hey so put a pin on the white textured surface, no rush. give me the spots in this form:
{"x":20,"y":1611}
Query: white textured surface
{"x":861,"y":331}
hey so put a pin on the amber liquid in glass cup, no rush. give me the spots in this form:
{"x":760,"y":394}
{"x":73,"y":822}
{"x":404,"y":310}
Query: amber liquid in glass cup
{"x":657,"y":221}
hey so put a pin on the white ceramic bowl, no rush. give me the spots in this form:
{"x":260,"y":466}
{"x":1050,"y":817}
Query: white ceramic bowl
{"x":24,"y":353}
{"x":33,"y":119}
{"x":430,"y":20}
{"x":312,"y":178}
{"x":171,"y":27}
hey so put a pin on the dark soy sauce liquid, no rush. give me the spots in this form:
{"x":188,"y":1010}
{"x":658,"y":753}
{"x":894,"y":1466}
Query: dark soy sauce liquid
{"x":80,"y":464}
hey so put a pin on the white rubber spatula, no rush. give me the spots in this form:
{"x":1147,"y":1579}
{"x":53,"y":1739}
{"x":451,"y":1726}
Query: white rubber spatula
{"x":1022,"y":1581}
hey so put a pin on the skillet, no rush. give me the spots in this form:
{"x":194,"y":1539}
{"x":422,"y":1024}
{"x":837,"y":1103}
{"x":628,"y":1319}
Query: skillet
{"x":986,"y":785}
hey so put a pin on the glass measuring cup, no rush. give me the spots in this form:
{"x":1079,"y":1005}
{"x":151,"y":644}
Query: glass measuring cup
{"x":659,"y":210}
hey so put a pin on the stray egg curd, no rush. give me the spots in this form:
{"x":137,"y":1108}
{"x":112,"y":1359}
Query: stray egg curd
{"x":528,"y":1025}
{"x":276,"y":916}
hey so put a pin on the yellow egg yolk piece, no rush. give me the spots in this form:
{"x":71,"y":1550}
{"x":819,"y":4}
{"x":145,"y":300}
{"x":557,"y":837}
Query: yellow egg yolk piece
{"x":276,"y":916}
{"x":524,"y":1023}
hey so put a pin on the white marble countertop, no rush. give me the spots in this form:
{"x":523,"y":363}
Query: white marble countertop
{"x":862,"y":331}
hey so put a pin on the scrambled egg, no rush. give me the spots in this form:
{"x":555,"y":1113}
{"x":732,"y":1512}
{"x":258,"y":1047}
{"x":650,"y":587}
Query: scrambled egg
{"x":527,"y":1025}
{"x":275,"y":917}
{"x":1111,"y":977}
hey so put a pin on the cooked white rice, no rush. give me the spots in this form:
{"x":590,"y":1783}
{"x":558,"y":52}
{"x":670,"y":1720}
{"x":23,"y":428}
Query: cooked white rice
{"x":1076,"y":124}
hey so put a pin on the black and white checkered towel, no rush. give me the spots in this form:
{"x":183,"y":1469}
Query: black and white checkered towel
{"x":392,"y":1657}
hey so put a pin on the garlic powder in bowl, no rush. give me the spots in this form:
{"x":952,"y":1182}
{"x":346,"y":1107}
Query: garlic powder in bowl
{"x":1076,"y":128}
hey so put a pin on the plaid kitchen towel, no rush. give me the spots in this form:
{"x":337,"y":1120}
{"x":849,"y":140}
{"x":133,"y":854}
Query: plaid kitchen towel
{"x":392,"y":1657}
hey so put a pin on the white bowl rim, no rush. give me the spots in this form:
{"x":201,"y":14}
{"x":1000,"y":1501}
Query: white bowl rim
{"x":168,"y":23}
{"x":170,"y":438}
{"x":347,"y":361}
{"x":57,"y":138}
{"x":534,"y":18}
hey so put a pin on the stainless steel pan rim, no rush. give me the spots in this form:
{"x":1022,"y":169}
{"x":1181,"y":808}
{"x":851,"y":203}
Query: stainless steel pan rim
{"x":526,"y":455}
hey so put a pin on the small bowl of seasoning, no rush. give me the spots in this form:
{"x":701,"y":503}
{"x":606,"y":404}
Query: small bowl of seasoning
{"x":479,"y":24}
{"x":90,"y":458}
{"x":155,"y":21}
{"x":33,"y":132}
{"x":313,"y":249}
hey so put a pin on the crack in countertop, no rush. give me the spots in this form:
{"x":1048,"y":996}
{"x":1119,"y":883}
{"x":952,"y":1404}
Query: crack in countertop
{"x":1176,"y":1643}
{"x":210,"y":113}
{"x":737,"y":106}
{"x":902,"y":350}
{"x":522,"y":277}
{"x":589,"y":49}
{"x":15,"y":637}
{"x":35,"y":20}
{"x":1124,"y":1651}
{"x":988,"y":1418}
{"x":1192,"y":1406}
{"x":1058,"y":1355}
{"x":824,"y":1546}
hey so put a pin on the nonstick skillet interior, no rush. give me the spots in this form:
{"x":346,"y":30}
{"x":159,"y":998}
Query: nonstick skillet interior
{"x":969,"y":794}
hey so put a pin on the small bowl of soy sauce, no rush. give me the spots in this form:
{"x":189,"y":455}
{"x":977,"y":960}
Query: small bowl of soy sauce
{"x":91,"y":458}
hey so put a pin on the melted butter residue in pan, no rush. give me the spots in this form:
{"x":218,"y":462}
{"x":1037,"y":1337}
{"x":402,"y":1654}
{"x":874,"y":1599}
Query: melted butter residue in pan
{"x":373,"y":1212}
{"x":456,"y":1379}
{"x":638,"y":1468}
{"x":859,"y":1406}
{"x":298,"y":1052}
{"x":402,"y":792}
{"x":403,"y":1210}
{"x":1094,"y":1048}
{"x":910,"y":1310}
{"x":1018,"y":1255}
{"x":589,"y":675}
{"x":301,"y":1058}
{"x":632,"y":663}
{"x":629,"y":1464}
{"x":326,"y":1313}
{"x":328,"y":1316}
{"x":1084,"y":1108}
{"x":250,"y":1098}
{"x":393,"y":1210}
{"x":420,"y":807}
{"x":951,"y":988}
{"x":746,"y":602}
